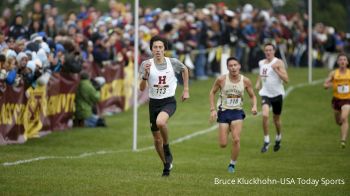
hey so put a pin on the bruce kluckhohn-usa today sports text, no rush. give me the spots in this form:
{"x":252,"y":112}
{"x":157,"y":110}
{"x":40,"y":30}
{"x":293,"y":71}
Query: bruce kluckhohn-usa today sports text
{"x":279,"y":181}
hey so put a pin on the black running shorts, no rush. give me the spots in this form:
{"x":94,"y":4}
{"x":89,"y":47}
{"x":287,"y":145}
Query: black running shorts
{"x":275,"y":102}
{"x":156,"y":106}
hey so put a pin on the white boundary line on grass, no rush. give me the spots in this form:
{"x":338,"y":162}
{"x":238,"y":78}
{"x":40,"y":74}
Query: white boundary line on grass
{"x":86,"y":154}
{"x":178,"y":140}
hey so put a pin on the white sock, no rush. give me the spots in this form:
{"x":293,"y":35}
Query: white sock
{"x":232,"y":162}
{"x":267,"y":139}
{"x":278,"y":137}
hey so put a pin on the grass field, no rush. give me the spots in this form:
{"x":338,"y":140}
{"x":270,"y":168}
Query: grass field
{"x":100,"y":161}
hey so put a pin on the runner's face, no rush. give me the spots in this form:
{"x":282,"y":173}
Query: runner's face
{"x":158,"y":49}
{"x":342,"y":61}
{"x":269,"y":52}
{"x":233,"y":67}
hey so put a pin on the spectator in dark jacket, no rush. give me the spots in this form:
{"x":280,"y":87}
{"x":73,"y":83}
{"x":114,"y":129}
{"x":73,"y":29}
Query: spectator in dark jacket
{"x":100,"y":52}
{"x":18,"y":29}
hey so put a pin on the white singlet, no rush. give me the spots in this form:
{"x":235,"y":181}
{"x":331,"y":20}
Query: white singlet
{"x":272,"y":84}
{"x":162,"y":83}
{"x":231,"y":95}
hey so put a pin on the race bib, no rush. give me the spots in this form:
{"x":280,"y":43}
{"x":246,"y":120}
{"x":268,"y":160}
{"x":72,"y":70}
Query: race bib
{"x":232,"y":102}
{"x":342,"y":89}
{"x":159,"y":90}
{"x":263,"y":78}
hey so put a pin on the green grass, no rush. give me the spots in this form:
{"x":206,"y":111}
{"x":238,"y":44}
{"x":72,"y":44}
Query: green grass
{"x":310,"y":149}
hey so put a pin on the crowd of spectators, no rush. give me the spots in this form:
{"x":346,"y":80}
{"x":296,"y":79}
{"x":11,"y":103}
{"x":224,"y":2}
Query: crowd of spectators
{"x":45,"y":40}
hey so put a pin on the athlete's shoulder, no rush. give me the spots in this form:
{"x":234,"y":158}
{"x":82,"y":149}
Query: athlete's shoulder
{"x":177,"y":65}
{"x":262,"y":62}
{"x":246,"y":79}
{"x":174,"y":60}
{"x":279,"y":61}
{"x":220,"y":79}
{"x":332,"y":73}
{"x":336,"y":71}
{"x":146,"y":61}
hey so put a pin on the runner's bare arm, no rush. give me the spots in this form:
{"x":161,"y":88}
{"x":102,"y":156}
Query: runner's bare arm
{"x":249,"y":88}
{"x":328,"y":82}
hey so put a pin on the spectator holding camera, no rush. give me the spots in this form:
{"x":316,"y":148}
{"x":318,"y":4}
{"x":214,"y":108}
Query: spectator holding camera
{"x":87,"y":97}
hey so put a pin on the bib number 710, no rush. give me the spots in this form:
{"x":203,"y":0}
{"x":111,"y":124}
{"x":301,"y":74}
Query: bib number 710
{"x":233,"y":101}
